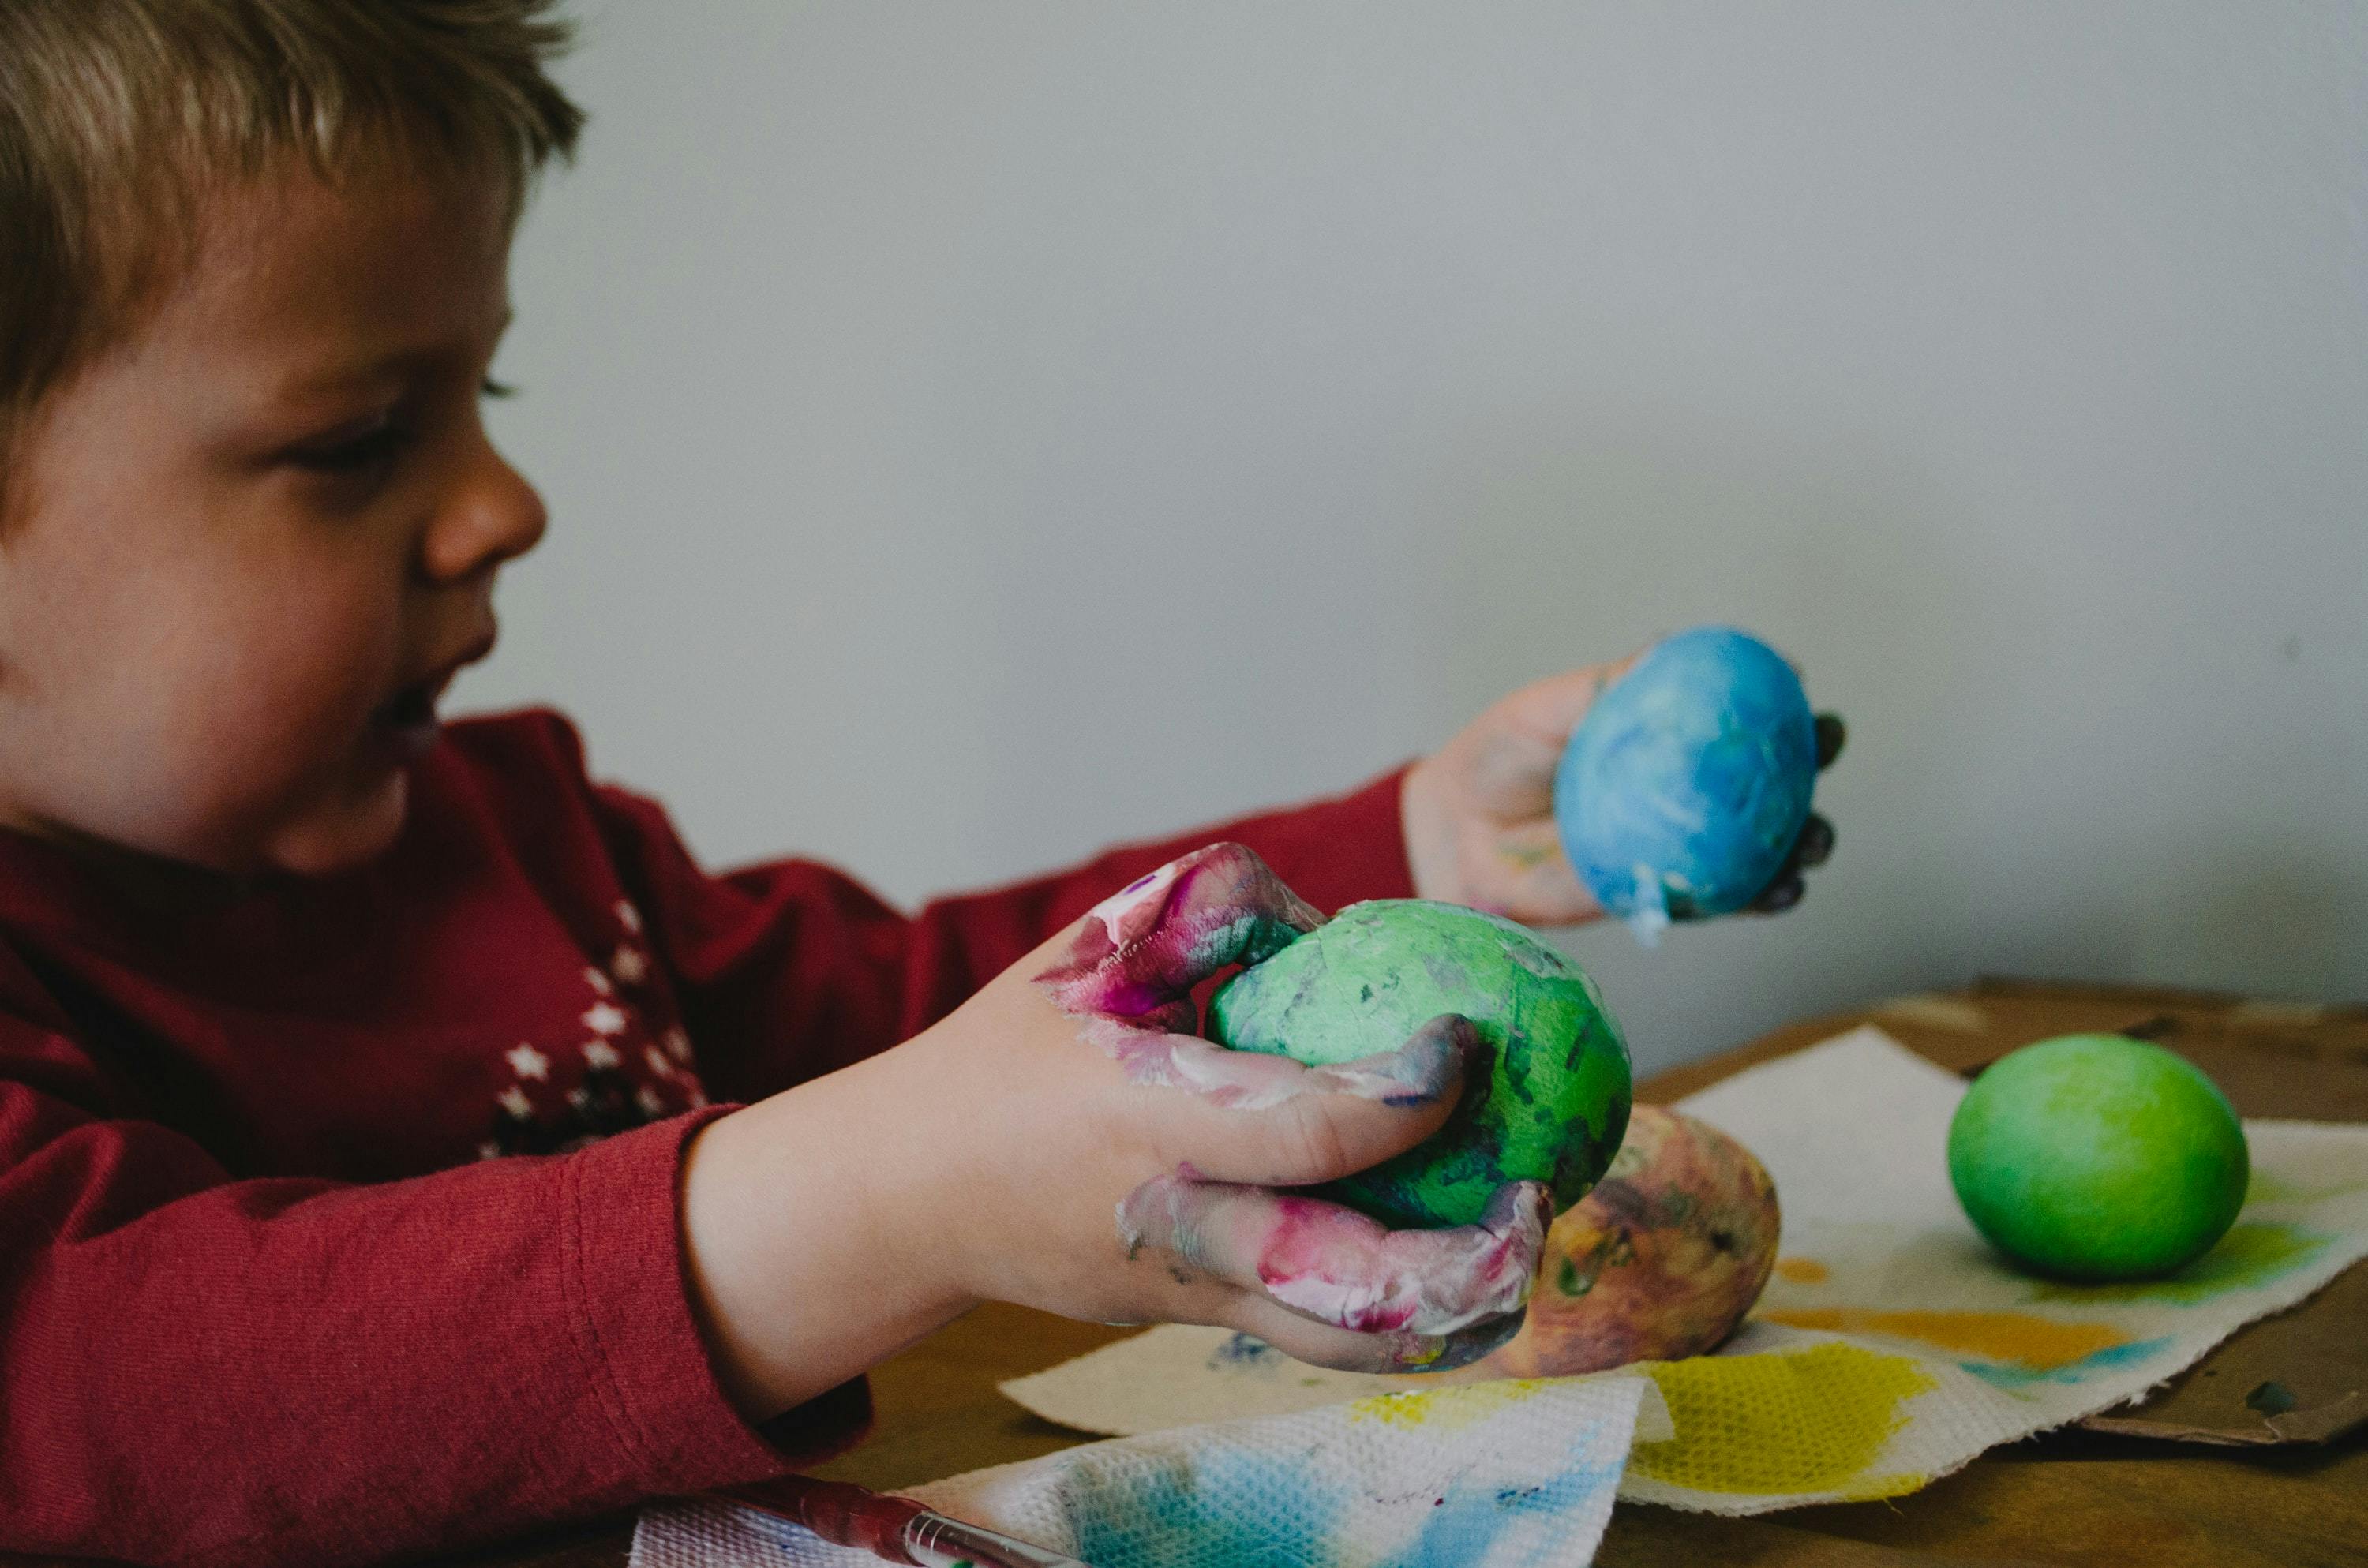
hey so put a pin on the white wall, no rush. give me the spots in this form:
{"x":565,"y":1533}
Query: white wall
{"x":976,"y":432}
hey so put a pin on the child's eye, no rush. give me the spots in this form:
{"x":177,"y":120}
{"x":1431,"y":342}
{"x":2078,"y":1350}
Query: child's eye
{"x":374,"y":448}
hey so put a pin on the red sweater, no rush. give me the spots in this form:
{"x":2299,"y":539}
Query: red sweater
{"x":266,"y":1296}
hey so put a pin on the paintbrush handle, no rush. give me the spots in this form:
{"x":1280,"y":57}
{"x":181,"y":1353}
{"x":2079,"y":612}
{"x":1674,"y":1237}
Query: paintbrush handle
{"x":937,"y":1541}
{"x":897,"y":1528}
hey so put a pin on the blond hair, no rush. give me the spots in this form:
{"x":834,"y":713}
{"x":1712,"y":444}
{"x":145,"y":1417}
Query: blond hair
{"x":117,"y":116}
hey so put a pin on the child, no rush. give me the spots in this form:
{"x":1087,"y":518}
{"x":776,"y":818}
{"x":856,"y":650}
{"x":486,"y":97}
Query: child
{"x":402,"y":1141}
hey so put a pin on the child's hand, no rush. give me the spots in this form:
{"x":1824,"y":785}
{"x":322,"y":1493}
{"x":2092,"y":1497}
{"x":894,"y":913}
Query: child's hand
{"x":1185,"y":1137}
{"x":1061,"y":1143}
{"x":1479,"y":815}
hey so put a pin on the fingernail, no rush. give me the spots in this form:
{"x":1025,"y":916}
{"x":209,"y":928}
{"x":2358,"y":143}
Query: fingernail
{"x":1479,"y":1057}
{"x":1831,"y":733}
{"x":1478,"y":1342}
{"x":1517,"y":1203}
{"x":1421,"y":1352}
{"x":1423,"y":1071}
{"x":1435,"y":1058}
{"x":1817,"y":841}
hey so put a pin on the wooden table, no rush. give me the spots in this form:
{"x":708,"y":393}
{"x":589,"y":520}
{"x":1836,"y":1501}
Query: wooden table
{"x":2072,"y":1497}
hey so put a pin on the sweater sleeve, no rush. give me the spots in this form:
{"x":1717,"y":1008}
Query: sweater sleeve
{"x":790,"y":969}
{"x":197,"y":1370}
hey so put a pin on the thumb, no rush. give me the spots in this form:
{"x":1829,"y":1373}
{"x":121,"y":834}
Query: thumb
{"x":1271,"y":1121}
{"x":1552,"y":708}
{"x":1509,"y":752}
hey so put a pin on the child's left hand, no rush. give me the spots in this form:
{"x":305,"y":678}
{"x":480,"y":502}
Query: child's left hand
{"x":1478,"y":814}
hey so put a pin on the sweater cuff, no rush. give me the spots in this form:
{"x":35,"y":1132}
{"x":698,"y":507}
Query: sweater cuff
{"x":628,"y":1288}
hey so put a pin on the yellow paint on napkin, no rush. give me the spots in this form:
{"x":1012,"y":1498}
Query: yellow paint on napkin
{"x":1803,"y":1421}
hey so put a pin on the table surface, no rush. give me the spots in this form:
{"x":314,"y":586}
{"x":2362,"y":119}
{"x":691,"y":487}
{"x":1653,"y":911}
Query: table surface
{"x":2070,"y":1497}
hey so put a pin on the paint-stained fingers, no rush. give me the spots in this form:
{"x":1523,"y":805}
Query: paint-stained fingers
{"x":1531,"y":852}
{"x":1510,"y":750}
{"x":1531,"y":878}
{"x":1346,"y":1350}
{"x":1831,"y":733}
{"x":1277,"y":1124}
{"x":1552,"y":708}
{"x":1137,"y":954}
{"x":1509,"y":753}
{"x":1814,"y":846}
{"x":1273,"y":1121}
{"x":1340,"y":1267}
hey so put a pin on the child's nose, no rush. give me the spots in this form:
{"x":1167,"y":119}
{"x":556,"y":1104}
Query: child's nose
{"x":494,"y":516}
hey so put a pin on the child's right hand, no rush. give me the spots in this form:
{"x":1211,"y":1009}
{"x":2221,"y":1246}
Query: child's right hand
{"x":1053,"y":1143}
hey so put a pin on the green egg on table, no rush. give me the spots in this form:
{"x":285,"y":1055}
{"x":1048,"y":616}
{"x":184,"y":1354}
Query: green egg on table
{"x":2098,"y":1157}
{"x":1555,"y":1103}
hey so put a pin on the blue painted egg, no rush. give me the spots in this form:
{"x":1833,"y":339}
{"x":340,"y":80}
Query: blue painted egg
{"x":1686,"y":785}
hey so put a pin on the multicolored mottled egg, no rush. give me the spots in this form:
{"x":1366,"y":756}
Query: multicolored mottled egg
{"x":1661,"y":1261}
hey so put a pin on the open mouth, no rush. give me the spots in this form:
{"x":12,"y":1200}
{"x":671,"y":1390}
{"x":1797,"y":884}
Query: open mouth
{"x":405,"y":725}
{"x":407,"y":720}
{"x":413,"y":707}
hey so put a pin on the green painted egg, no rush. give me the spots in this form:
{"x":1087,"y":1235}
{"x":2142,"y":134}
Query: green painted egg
{"x":2096,"y":1156}
{"x":1555,"y":1103}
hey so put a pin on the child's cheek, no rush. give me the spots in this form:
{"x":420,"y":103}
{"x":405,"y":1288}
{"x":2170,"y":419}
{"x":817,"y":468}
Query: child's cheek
{"x":274,"y":731}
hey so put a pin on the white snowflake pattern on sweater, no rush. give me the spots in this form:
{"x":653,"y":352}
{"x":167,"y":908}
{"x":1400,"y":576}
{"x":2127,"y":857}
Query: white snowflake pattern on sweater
{"x":625,"y":1069}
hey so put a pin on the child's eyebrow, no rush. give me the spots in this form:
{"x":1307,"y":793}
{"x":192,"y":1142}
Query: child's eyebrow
{"x":412,"y":363}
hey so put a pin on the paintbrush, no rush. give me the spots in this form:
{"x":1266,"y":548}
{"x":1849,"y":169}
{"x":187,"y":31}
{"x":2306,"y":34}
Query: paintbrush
{"x":894,"y":1528}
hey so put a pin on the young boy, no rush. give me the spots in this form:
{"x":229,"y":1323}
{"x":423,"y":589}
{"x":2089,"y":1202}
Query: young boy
{"x":402,"y":1141}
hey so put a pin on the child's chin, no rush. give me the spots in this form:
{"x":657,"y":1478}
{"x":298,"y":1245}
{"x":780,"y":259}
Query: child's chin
{"x":344,"y":834}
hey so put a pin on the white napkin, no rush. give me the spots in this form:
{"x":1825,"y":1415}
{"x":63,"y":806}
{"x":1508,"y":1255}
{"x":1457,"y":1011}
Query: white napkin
{"x":1487,"y":1475}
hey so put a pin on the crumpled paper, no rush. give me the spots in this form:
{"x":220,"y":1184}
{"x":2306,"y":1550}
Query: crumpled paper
{"x":1486,"y":1475}
{"x":1892,"y":1347}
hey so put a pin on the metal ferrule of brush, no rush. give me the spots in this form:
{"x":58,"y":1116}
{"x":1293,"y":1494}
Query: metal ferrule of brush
{"x":937,"y":1541}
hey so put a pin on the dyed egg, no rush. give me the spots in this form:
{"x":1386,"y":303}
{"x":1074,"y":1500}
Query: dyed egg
{"x":1658,"y":1263}
{"x":1686,"y":785}
{"x":1555,"y":1101}
{"x":2096,"y":1156}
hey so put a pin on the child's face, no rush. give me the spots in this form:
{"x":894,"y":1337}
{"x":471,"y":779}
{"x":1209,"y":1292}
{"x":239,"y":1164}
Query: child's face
{"x":252,"y":543}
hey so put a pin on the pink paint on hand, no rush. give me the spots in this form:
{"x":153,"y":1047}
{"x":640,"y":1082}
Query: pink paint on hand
{"x":1142,"y":950}
{"x":1426,"y":1299}
{"x":1131,"y":971}
{"x":1339,"y":1267}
